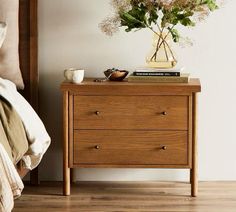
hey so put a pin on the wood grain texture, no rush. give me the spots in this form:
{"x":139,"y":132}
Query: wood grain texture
{"x":130,"y":147}
{"x":133,"y":166}
{"x":28,"y":49}
{"x":194,"y":170}
{"x":131,"y":112}
{"x":34,"y":75}
{"x":88,"y":87}
{"x":124,"y":125}
{"x":190,"y":126}
{"x":66,"y":170}
{"x":71,"y":128}
{"x":28,"y":55}
{"x":129,"y":197}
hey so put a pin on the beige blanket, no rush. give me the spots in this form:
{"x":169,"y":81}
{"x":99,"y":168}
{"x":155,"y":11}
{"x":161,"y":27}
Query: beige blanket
{"x":12,"y":132}
{"x":11,"y":184}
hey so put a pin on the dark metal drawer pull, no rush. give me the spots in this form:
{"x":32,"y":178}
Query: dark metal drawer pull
{"x":97,"y":147}
{"x":164,"y":148}
{"x":97,"y":113}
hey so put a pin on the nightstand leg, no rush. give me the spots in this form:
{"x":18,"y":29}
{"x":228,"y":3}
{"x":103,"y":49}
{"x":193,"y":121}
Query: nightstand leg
{"x":66,"y":182}
{"x":66,"y":169}
{"x":194,"y":170}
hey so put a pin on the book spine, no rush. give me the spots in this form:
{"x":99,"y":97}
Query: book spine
{"x":159,"y":79}
{"x":162,"y":74}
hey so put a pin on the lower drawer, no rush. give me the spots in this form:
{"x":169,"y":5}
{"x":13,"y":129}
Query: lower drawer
{"x":104,"y":147}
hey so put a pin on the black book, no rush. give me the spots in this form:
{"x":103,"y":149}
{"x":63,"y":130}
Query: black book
{"x":157,"y":73}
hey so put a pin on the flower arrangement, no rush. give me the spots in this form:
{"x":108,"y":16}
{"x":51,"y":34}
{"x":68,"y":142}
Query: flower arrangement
{"x":160,"y":16}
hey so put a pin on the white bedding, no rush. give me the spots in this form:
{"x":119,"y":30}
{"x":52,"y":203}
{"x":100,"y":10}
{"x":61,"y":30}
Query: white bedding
{"x":37,"y":135}
{"x":11,"y":184}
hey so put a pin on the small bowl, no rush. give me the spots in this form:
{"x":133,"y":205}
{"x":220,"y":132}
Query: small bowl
{"x":116,"y":75}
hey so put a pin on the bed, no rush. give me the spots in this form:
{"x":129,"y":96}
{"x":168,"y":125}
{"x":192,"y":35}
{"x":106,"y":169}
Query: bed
{"x":20,"y":34}
{"x":28,"y":62}
{"x":20,"y":126}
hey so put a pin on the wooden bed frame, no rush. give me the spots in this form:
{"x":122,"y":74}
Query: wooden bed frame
{"x":28,"y":52}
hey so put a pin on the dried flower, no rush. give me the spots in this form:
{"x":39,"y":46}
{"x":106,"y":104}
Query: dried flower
{"x":201,"y":15}
{"x":185,"y":41}
{"x":121,"y":5}
{"x":110,"y":25}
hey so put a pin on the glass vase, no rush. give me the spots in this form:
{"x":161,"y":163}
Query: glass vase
{"x":161,"y":56}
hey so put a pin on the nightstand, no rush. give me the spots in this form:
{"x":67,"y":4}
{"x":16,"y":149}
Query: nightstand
{"x":130,"y":125}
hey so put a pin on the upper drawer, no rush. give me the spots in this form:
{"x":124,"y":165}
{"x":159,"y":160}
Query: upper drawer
{"x":126,"y":112}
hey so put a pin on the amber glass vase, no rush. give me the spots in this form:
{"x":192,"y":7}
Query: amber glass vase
{"x":161,"y":56}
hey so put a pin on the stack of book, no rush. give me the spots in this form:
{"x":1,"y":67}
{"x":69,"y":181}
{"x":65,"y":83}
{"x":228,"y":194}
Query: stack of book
{"x":159,"y":75}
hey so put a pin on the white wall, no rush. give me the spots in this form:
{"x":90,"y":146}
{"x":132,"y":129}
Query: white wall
{"x":69,"y":37}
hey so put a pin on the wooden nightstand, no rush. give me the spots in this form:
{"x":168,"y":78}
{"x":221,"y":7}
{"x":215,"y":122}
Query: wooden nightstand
{"x":130,"y":125}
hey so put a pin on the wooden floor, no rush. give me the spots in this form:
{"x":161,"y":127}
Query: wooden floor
{"x":126,"y":196}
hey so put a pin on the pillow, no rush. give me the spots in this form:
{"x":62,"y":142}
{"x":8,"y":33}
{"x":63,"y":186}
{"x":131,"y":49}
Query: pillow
{"x":3,"y":30}
{"x":9,"y":53}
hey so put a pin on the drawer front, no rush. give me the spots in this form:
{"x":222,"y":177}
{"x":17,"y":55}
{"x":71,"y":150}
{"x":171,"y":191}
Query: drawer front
{"x":136,"y":112}
{"x":130,"y":147}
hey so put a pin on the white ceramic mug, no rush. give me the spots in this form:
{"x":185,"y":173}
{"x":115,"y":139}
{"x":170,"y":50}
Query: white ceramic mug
{"x":74,"y":75}
{"x":78,"y":76}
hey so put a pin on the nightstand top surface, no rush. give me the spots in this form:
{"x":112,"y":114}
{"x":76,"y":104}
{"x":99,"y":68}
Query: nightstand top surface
{"x":192,"y":86}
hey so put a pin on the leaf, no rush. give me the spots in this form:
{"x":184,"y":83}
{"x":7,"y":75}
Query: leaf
{"x":211,"y":4}
{"x":153,"y":16}
{"x":175,"y":34}
{"x":187,"y":22}
{"x":134,"y":18}
{"x":130,"y":22}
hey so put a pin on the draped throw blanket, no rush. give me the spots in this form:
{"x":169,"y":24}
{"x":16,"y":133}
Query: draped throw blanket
{"x":36,"y":133}
{"x":22,"y":136}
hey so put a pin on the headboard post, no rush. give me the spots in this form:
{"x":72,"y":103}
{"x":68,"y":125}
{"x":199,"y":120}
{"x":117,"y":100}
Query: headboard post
{"x":28,"y":53}
{"x":34,"y":77}
{"x":28,"y":49}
